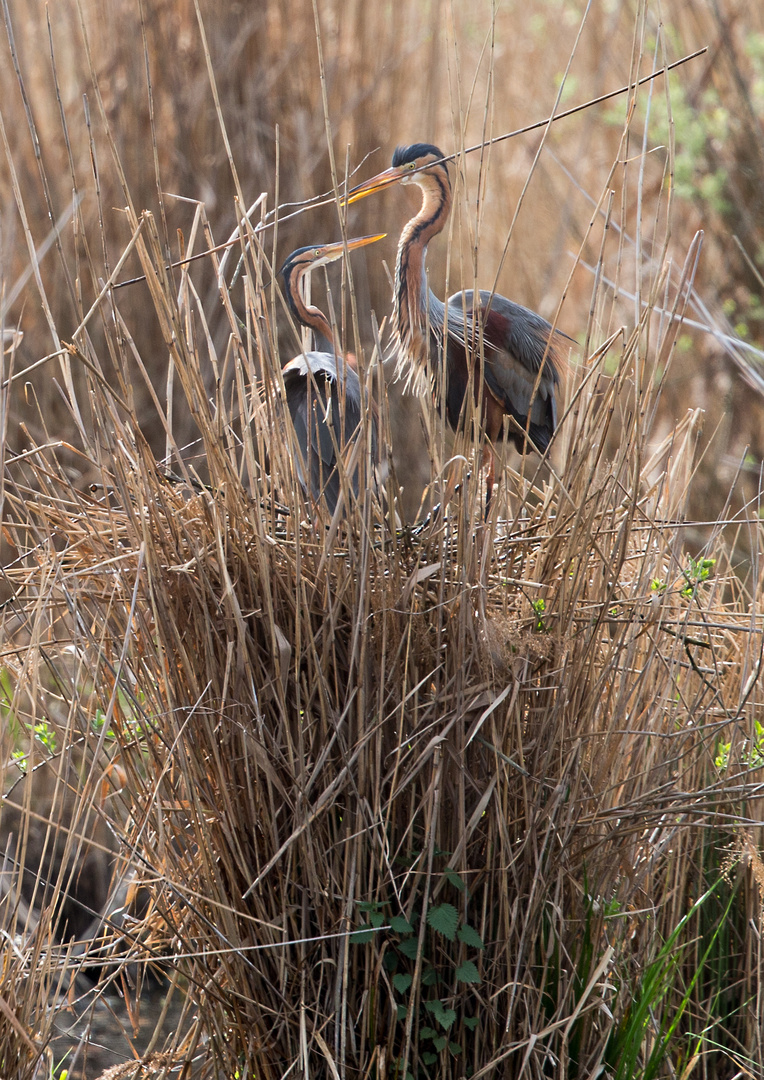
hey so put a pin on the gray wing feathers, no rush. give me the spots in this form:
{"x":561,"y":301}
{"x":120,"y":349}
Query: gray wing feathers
{"x":520,"y":342}
{"x":316,"y":404}
{"x":527,"y":332}
{"x":511,"y":381}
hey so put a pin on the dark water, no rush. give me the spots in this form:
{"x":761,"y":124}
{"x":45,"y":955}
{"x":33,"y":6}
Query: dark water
{"x":94,"y":1030}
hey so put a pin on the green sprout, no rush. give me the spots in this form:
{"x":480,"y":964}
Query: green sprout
{"x":698,"y":572}
{"x":45,"y":734}
{"x":539,"y":607}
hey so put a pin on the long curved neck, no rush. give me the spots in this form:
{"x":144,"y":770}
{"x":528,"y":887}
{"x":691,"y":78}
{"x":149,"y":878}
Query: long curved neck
{"x":415,"y":308}
{"x":307,"y":315}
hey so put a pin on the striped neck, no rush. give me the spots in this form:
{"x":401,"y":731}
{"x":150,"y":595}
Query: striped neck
{"x":413,"y":312}
{"x":306,"y":315}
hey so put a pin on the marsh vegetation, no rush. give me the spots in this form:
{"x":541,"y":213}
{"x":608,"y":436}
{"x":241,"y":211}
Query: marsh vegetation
{"x":378,"y":796}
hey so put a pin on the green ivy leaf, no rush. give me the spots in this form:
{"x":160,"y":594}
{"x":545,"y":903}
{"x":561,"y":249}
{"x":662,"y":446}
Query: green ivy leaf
{"x":468,"y":973}
{"x":440,"y":1043}
{"x":402,"y":982}
{"x":471,"y":1022}
{"x":444,"y":919}
{"x":401,"y":925}
{"x":470,"y":936}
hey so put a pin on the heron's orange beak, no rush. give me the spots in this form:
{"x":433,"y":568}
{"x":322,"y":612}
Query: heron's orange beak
{"x":377,"y":183}
{"x":360,"y":241}
{"x":332,"y":252}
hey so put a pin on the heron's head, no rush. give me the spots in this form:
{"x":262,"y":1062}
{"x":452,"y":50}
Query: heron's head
{"x":411,"y":165}
{"x":314,"y":255}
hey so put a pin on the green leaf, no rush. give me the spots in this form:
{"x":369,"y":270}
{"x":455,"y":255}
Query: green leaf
{"x":446,"y":1021}
{"x":470,"y":936}
{"x":455,"y":1048}
{"x":440,"y":1043}
{"x":408,"y":948}
{"x":402,"y":982}
{"x":429,"y":1058}
{"x":376,"y":918}
{"x":430,"y":976}
{"x":362,"y":935}
{"x":468,"y":973}
{"x":401,"y":925}
{"x":390,"y":962}
{"x":444,"y":919}
{"x":444,"y":1017}
{"x":402,"y":1011}
{"x":367,"y":905}
{"x":428,"y":1033}
{"x":471,"y":1022}
{"x":455,"y":880}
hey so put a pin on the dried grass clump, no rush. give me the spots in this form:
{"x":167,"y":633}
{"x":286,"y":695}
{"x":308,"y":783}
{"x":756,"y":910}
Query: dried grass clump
{"x":448,"y":799}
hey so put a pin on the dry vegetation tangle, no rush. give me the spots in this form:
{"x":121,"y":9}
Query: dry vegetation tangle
{"x":441,"y":799}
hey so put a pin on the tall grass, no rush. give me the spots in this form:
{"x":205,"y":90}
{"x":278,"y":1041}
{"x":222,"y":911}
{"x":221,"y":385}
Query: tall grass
{"x":435,"y":799}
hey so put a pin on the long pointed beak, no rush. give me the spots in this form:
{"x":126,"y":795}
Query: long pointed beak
{"x":336,"y":251}
{"x":377,"y":183}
